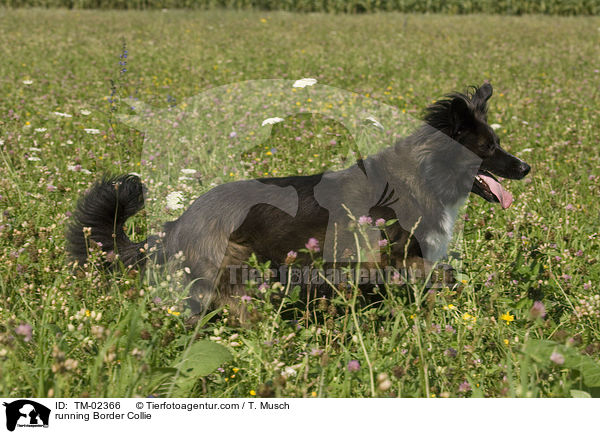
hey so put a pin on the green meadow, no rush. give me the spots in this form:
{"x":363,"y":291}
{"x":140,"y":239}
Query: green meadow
{"x":523,"y":319}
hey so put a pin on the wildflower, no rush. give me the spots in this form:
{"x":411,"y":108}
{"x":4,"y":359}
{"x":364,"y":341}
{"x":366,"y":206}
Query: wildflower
{"x":232,"y":134}
{"x":26,"y":331}
{"x":450,"y":352}
{"x":569,"y":207}
{"x":353,"y":366}
{"x":396,"y":278}
{"x":252,"y":392}
{"x":313,"y":245}
{"x":92,"y":130}
{"x":62,"y":115}
{"x":566,"y":277}
{"x":468,"y":317}
{"x":385,"y":385}
{"x":85,"y":112}
{"x":587,"y":286}
{"x":450,"y":329}
{"x":40,"y":130}
{"x":316,"y":352}
{"x":34,"y":159}
{"x":291,"y":257}
{"x":449,"y":307}
{"x":50,"y":187}
{"x":538,"y":310}
{"x":173,"y":312}
{"x":464,"y":387}
{"x":289,"y":372}
{"x":506,"y":342}
{"x":27,"y":82}
{"x":507,"y":317}
{"x":174,"y":200}
{"x":188,"y":171}
{"x":246,"y":298}
{"x":383,"y":243}
{"x":263,"y":287}
{"x":365,"y":220}
{"x":305,"y":82}
{"x":380,"y":223}
{"x":557,"y":358}
{"x":272,"y":121}
{"x":496,"y":126}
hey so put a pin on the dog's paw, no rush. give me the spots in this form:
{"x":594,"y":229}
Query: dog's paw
{"x":443,"y":275}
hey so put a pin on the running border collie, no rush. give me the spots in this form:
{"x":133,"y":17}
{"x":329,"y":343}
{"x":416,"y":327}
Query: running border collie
{"x":425,"y":181}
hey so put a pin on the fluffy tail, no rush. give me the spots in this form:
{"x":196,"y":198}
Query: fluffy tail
{"x":100,"y":216}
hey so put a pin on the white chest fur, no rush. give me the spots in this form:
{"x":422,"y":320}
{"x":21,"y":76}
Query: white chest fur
{"x":436,"y":242}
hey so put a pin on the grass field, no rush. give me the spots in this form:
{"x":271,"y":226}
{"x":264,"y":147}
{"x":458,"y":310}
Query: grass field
{"x":71,"y":332}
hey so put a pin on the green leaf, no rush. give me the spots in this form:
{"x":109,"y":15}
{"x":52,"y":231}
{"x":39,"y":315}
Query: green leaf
{"x":541,"y":350}
{"x":199,"y":360}
{"x":579,"y":394}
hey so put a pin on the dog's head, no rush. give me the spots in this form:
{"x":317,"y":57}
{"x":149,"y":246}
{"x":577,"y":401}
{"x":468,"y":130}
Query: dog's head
{"x":463,"y":117}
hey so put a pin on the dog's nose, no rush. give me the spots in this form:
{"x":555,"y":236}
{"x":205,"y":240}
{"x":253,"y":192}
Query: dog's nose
{"x":525,"y":168}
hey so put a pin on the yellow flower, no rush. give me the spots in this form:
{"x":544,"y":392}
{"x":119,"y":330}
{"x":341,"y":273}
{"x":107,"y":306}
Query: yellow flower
{"x":469,"y":317}
{"x":172,"y":312}
{"x":507,"y":317}
{"x":449,"y":307}
{"x":87,"y":313}
{"x":313,"y":394}
{"x":506,"y":342}
{"x":235,"y":370}
{"x":253,"y":392}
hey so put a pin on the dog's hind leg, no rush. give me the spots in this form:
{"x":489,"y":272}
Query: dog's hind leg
{"x":220,"y":286}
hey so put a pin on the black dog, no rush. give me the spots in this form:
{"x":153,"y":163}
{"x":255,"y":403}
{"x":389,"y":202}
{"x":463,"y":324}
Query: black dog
{"x":421,"y":182}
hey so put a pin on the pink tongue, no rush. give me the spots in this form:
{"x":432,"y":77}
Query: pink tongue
{"x":503,"y":196}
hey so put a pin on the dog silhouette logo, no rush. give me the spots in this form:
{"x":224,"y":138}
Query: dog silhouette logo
{"x":26,"y":413}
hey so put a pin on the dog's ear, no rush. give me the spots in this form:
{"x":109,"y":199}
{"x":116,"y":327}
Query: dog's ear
{"x":460,"y":114}
{"x":481,"y":96}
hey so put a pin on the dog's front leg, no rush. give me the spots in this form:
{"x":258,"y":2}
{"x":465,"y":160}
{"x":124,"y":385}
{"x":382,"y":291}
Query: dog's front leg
{"x":416,"y":269}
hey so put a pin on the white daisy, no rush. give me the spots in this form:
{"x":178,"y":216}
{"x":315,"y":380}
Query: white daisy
{"x":92,"y":130}
{"x":40,"y":130}
{"x":32,"y":149}
{"x":85,"y":112}
{"x":271,"y":121}
{"x":174,"y":200}
{"x":27,"y":82}
{"x":135,"y":174}
{"x":188,"y":171}
{"x":62,"y":115}
{"x":1,"y":142}
{"x":495,"y":126}
{"x":303,"y":82}
{"x":34,"y":159}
